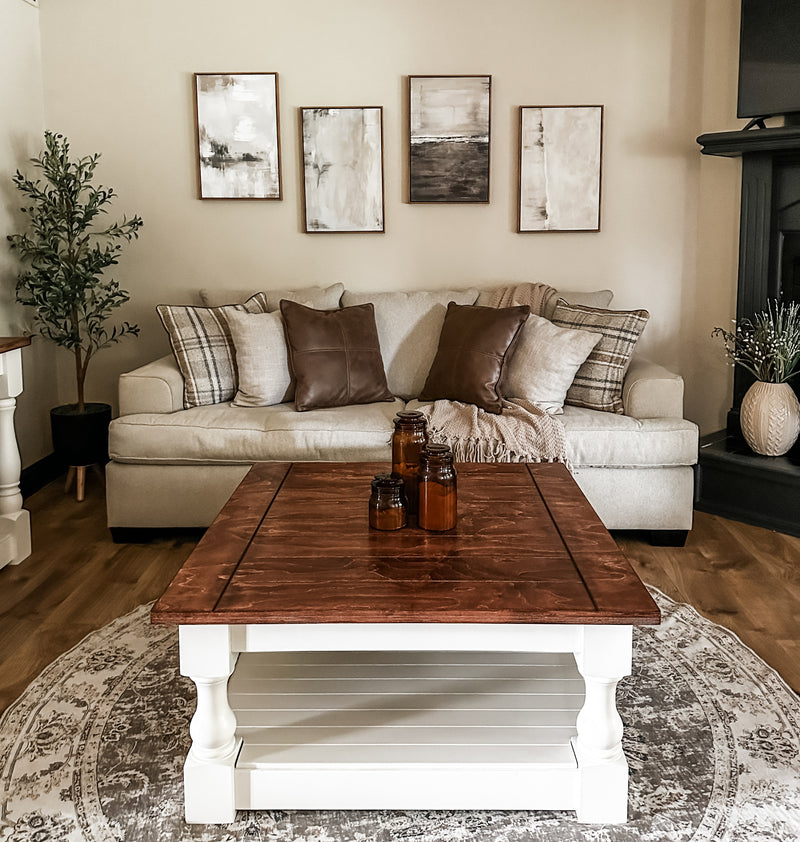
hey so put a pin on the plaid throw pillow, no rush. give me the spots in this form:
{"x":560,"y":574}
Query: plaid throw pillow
{"x":201,"y":342}
{"x":598,"y":382}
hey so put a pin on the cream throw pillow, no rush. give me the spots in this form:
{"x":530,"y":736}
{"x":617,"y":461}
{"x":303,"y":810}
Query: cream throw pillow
{"x":409,"y":324}
{"x":545,"y":363}
{"x":261,"y":359}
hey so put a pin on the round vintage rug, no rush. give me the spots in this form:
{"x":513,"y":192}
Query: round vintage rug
{"x":94,"y":749}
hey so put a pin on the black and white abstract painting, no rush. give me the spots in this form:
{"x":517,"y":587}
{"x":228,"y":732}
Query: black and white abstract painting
{"x":343,"y":169}
{"x":237,"y":135}
{"x":449,"y":138}
{"x":559,"y":170}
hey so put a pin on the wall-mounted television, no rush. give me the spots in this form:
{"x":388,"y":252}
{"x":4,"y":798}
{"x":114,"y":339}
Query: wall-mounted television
{"x":769,"y":58}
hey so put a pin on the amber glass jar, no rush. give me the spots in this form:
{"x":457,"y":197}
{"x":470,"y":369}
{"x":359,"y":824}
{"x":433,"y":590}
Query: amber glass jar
{"x":437,"y":488}
{"x":409,"y":437}
{"x":387,"y":504}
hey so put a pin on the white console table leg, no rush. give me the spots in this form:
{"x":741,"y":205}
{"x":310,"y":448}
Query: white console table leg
{"x":603,"y":771}
{"x":15,"y":525}
{"x":208,"y":774}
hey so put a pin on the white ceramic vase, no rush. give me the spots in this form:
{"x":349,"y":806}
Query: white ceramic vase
{"x":770,"y":418}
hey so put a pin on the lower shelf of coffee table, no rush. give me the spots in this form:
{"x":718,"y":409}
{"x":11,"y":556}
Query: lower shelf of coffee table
{"x":383,"y":730}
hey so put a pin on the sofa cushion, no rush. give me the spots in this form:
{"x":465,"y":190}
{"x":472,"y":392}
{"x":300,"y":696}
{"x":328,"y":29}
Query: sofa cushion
{"x":201,"y":341}
{"x":322,"y":298}
{"x":606,"y":439}
{"x":474,"y":346}
{"x":262,"y":361}
{"x":598,"y":383}
{"x":334,"y":356}
{"x":544,"y":362}
{"x":229,"y":434}
{"x":409,"y":324}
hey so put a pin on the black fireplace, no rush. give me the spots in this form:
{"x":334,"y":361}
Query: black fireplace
{"x":732,"y":480}
{"x":769,"y":231}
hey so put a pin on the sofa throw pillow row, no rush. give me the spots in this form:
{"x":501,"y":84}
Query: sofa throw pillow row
{"x":598,"y":382}
{"x":201,"y":341}
{"x":334,"y":356}
{"x":321,"y":298}
{"x":545,"y":362}
{"x":474,"y":345}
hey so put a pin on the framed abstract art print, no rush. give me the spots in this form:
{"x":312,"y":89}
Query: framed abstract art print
{"x":238,"y":137}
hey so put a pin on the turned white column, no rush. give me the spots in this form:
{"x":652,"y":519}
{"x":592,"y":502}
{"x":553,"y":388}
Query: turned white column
{"x":208,"y":774}
{"x":15,"y":525}
{"x":604,"y":658}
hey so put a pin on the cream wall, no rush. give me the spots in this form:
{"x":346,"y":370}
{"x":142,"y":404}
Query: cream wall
{"x":118,"y":79}
{"x":22,"y":114}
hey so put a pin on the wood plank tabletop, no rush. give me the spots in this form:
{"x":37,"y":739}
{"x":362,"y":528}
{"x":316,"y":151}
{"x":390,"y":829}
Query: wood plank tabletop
{"x":293,"y":545}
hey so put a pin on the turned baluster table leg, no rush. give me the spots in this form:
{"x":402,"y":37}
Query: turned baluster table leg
{"x":604,"y":659}
{"x":15,"y":528}
{"x":208,"y":774}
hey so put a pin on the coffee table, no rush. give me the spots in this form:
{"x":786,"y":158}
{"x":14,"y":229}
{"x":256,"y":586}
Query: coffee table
{"x":338,"y":667}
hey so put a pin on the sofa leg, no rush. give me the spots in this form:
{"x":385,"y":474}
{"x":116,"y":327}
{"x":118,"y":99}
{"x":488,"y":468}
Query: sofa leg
{"x":129,"y":534}
{"x":668,"y":537}
{"x":147,"y":534}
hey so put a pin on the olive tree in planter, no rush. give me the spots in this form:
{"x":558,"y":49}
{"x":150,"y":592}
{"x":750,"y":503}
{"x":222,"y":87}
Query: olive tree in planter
{"x":65,"y":251}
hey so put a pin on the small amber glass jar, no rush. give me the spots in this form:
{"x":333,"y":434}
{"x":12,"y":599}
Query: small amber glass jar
{"x":387,"y":505}
{"x":409,"y":437}
{"x":437,"y":488}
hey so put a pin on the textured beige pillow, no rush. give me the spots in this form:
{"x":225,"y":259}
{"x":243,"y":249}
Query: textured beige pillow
{"x":545,"y":362}
{"x":261,"y":359}
{"x":409,"y":325}
{"x":595,"y":298}
{"x":320,"y":298}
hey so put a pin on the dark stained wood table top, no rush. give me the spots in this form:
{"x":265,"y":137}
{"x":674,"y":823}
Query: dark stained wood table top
{"x":11,"y":343}
{"x":293,"y":545}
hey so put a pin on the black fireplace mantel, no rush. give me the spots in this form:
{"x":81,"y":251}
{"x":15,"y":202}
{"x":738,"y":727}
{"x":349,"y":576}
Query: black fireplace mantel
{"x":735,"y":144}
{"x":769,"y":225}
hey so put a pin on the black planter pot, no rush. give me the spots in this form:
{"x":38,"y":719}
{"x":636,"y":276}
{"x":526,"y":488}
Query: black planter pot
{"x":80,"y":438}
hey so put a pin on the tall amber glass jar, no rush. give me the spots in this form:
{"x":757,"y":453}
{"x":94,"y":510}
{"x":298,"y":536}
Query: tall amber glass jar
{"x":409,"y":437}
{"x":438,"y":508}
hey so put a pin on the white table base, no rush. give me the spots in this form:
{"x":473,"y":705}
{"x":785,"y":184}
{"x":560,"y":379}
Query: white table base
{"x":433,"y":716}
{"x":15,"y":523}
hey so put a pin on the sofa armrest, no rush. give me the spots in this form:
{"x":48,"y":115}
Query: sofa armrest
{"x":652,"y":391}
{"x":155,"y":387}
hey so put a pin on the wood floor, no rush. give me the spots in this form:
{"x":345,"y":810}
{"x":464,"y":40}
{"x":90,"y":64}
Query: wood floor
{"x":77,"y":580}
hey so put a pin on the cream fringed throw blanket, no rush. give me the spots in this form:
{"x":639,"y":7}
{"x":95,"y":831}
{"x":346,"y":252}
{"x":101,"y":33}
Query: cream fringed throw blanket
{"x":522,"y":432}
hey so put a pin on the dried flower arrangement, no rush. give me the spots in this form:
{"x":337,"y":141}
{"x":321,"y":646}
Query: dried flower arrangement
{"x":768,"y":346}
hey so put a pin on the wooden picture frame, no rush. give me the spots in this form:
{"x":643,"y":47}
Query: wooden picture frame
{"x":449,"y":138}
{"x":560,"y":164}
{"x":342,"y":153}
{"x":238,"y":135}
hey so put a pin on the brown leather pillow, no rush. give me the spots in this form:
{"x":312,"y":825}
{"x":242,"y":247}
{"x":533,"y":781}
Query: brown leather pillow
{"x":334,"y":356}
{"x":474,"y":346}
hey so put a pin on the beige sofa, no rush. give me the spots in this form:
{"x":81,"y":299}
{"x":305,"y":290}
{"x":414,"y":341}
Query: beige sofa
{"x":176,"y":467}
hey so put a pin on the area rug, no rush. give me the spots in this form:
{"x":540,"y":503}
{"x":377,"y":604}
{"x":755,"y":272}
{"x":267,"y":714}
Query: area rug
{"x":94,"y":748}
